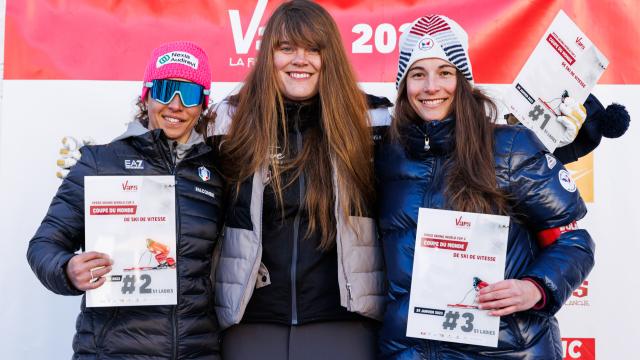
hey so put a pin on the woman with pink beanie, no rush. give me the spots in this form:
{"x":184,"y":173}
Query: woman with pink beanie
{"x":162,"y":140}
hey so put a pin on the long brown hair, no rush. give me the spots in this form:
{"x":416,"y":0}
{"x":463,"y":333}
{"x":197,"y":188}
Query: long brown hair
{"x":341,"y":149}
{"x":471,"y":180}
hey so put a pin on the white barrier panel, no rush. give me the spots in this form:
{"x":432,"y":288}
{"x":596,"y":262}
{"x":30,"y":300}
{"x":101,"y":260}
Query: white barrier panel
{"x":37,"y":324}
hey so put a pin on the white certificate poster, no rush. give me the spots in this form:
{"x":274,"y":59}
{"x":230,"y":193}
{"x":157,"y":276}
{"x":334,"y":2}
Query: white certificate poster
{"x":132,"y":219}
{"x":456,"y":254}
{"x":565,"y":62}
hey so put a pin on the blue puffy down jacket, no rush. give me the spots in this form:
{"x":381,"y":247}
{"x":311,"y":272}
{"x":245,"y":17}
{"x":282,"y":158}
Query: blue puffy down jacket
{"x":410,"y":177}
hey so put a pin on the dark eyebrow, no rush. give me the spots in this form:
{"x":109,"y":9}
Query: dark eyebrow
{"x":439,"y":67}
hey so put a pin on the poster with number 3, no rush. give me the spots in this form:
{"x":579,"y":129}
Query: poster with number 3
{"x":456,"y":254}
{"x":132,"y":219}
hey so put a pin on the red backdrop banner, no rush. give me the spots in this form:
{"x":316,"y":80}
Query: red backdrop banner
{"x":111,"y":40}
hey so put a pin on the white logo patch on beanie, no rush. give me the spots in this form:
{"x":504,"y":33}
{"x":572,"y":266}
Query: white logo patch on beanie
{"x":434,"y":36}
{"x":177,"y":57}
{"x":426,"y":43}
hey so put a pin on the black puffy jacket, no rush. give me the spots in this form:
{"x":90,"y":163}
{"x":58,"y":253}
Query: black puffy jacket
{"x":188,"y":330}
{"x":411,"y":177}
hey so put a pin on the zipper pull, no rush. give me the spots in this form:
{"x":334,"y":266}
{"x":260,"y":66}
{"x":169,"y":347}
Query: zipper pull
{"x":174,"y":151}
{"x":350,"y":298}
{"x":424,"y":133}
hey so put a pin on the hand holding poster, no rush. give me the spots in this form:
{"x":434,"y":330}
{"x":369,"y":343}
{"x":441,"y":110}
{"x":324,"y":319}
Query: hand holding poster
{"x":456,"y":254}
{"x":564,"y":63}
{"x":132,"y":219}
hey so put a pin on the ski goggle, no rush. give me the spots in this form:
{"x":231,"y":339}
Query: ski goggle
{"x":163,"y":91}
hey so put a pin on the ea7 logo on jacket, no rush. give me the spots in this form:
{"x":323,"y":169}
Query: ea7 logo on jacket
{"x":133,"y":164}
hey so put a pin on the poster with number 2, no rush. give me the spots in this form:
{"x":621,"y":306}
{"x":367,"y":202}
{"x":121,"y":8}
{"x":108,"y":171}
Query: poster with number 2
{"x":456,"y":254}
{"x":132,"y":219}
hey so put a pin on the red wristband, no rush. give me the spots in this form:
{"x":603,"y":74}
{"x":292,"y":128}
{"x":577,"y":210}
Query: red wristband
{"x":549,"y":236}
{"x":543,"y":300}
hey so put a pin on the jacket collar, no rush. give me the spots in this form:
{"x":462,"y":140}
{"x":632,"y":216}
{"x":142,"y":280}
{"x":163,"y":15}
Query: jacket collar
{"x":152,"y":138}
{"x":430,"y":137}
{"x":302,"y":115}
{"x":134,"y":128}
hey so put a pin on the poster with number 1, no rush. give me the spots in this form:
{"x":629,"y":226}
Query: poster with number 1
{"x":132,"y":219}
{"x":564,"y":63}
{"x":456,"y":254}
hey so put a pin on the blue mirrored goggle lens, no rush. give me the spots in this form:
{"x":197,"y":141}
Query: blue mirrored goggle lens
{"x":163,"y":91}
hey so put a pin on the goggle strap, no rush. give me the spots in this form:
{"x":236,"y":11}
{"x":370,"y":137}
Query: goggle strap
{"x":149,"y":84}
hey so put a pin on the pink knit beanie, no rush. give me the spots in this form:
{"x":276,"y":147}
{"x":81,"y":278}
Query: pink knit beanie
{"x":179,"y":59}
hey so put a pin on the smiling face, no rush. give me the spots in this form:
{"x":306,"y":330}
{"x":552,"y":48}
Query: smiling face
{"x":431,"y":85}
{"x":298,"y":70}
{"x":174,"y":119}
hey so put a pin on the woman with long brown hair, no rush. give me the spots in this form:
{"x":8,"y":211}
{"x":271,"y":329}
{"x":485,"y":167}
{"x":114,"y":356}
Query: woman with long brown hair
{"x":300,"y":273}
{"x":446,"y":152}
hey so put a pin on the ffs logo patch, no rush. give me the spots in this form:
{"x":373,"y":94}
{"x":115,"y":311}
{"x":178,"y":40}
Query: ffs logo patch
{"x":566,"y":181}
{"x":551,"y":161}
{"x":134,"y":164}
{"x":204,"y":173}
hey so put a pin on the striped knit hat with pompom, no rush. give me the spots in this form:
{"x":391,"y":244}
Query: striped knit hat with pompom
{"x":434,"y":36}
